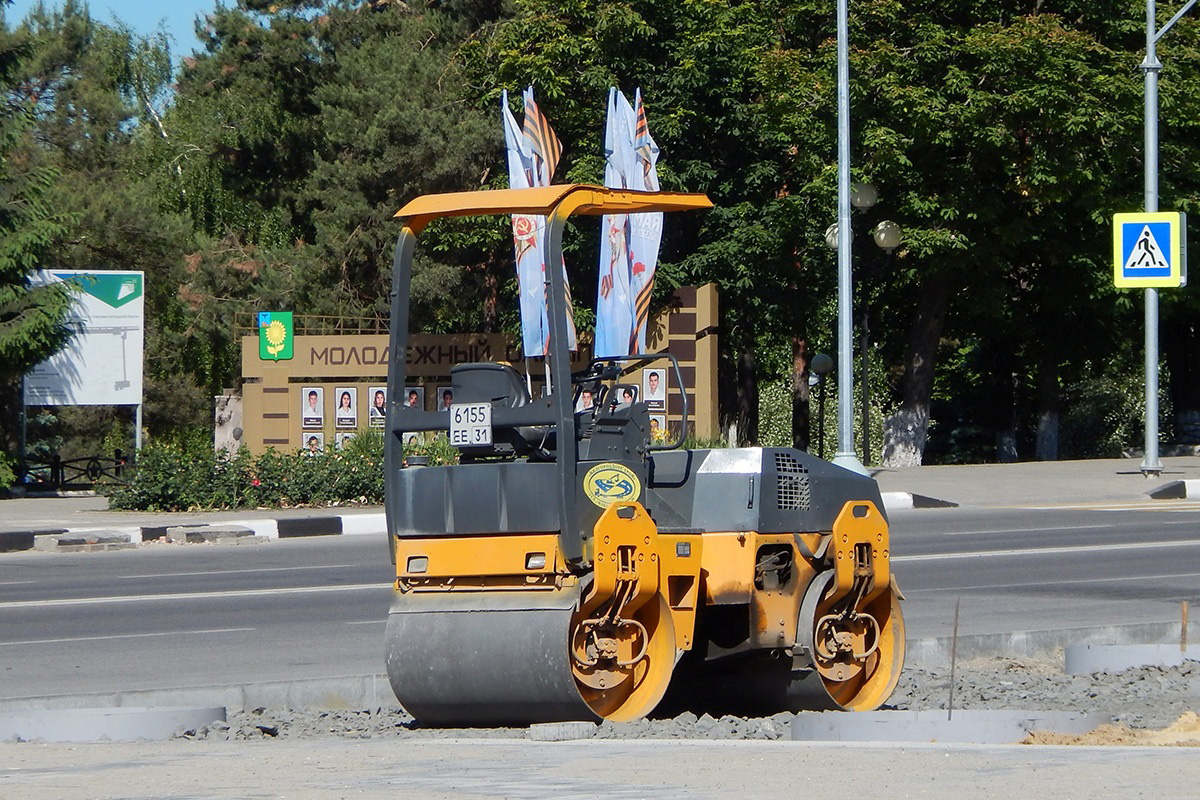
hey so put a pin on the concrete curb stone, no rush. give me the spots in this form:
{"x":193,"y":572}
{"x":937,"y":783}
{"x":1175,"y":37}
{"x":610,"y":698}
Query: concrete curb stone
{"x":247,"y":531}
{"x":1176,"y":490}
{"x":894,"y":501}
{"x":83,"y":541}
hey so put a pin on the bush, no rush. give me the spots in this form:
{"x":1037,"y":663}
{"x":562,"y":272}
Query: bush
{"x":187,"y":474}
{"x":190,"y":475}
{"x":8,"y":476}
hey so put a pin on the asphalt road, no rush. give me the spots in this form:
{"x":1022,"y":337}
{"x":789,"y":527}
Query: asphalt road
{"x":168,"y":616}
{"x":1046,"y":568}
{"x":181,"y":616}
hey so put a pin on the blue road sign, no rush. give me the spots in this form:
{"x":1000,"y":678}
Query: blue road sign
{"x":1150,"y":250}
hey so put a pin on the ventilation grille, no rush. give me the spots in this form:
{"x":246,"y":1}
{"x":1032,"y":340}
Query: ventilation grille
{"x":791,"y":484}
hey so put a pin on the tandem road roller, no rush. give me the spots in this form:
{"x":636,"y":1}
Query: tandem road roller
{"x":571,"y":568}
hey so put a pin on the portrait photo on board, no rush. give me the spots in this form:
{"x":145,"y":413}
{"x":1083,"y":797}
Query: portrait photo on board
{"x":414,"y":397}
{"x":445,"y":395}
{"x":312,"y":442}
{"x":341,"y":439}
{"x":312,"y":406}
{"x":377,"y":410}
{"x":586,"y":401}
{"x":346,"y":414}
{"x":658,"y":428}
{"x":623,"y":395}
{"x":654,"y":388}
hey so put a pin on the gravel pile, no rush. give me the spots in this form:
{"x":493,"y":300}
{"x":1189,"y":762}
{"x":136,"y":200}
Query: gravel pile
{"x":1148,"y":697}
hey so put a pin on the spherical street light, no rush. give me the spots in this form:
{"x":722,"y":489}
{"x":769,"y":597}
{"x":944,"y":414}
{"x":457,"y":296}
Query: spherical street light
{"x":887,"y":235}
{"x":863,"y":195}
{"x":831,"y":236}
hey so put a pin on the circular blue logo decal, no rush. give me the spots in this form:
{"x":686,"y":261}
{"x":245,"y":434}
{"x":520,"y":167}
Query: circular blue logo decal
{"x":606,"y":484}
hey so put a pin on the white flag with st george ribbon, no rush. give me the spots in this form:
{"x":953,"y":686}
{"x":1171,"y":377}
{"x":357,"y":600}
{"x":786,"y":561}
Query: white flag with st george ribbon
{"x":533,"y":152}
{"x":630,"y":242}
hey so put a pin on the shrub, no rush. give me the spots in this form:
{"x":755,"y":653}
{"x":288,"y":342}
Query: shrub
{"x":190,"y":475}
{"x":8,"y":476}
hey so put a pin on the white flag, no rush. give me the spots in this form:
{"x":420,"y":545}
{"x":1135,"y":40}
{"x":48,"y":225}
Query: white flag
{"x":629,"y":242}
{"x":533,"y":152}
{"x":614,"y":298}
{"x":646,"y":229}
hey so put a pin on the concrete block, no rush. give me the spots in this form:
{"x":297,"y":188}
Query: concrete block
{"x":83,"y":541}
{"x":963,"y":726}
{"x":561,"y":731}
{"x":1085,"y":659}
{"x":112,"y":724}
{"x":198,"y":534}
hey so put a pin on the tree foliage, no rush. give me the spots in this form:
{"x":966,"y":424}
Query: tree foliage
{"x":1001,"y":137}
{"x":31,"y":318}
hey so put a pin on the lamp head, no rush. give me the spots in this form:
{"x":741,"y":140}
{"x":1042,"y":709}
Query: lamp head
{"x":887,"y":235}
{"x":863,"y":195}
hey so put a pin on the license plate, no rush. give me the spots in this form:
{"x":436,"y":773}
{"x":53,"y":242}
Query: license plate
{"x":470,"y":424}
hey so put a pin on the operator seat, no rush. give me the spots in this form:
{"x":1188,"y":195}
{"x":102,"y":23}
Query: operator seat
{"x":503,"y":387}
{"x":485,"y":382}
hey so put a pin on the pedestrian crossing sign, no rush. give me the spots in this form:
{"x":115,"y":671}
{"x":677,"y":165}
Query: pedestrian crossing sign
{"x":1150,"y":250}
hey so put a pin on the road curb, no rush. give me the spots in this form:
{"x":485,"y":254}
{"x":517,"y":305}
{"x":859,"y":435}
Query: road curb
{"x":13,"y":541}
{"x":335,"y":692}
{"x":896,"y":501}
{"x":266,"y":528}
{"x":1176,"y":490}
{"x":1048,"y":644}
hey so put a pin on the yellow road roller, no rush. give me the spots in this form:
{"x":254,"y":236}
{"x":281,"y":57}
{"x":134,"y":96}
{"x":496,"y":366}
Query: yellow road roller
{"x":572,"y":566}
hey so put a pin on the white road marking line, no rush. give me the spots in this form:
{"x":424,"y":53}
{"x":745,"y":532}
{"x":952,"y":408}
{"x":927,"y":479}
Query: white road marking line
{"x":1027,"y":530}
{"x":142,"y":598}
{"x":1045,"y":551}
{"x":1147,"y":505}
{"x":126,"y":636}
{"x":367,"y":622}
{"x":1063,"y":528}
{"x":235,"y":571}
{"x":1055,"y":583}
{"x":14,"y":583}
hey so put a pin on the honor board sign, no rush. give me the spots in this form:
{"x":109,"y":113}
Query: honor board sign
{"x":102,"y":363}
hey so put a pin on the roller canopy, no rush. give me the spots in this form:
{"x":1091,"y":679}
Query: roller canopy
{"x":544,"y":200}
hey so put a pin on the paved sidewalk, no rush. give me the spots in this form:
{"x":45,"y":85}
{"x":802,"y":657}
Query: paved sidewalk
{"x":71,"y":513}
{"x":1116,"y":480}
{"x":26,"y":520}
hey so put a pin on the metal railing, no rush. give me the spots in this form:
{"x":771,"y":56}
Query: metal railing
{"x":72,"y":473}
{"x":245,"y":323}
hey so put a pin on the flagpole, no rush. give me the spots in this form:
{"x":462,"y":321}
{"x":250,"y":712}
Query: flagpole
{"x":845,"y":456}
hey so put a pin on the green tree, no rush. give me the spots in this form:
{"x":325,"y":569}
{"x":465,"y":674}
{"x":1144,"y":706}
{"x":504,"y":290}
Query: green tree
{"x":31,"y":317}
{"x":291,"y":142}
{"x":97,"y":94}
{"x":734,"y":105}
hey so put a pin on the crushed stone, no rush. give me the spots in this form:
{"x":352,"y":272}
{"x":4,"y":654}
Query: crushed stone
{"x":1148,"y":705}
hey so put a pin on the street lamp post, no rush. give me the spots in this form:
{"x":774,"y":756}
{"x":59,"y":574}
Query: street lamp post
{"x":862,"y":196}
{"x":845,"y":453}
{"x":1151,"y":66}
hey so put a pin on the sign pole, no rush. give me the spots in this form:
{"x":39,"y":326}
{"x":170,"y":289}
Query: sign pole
{"x":24,"y":435}
{"x":1151,"y":466}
